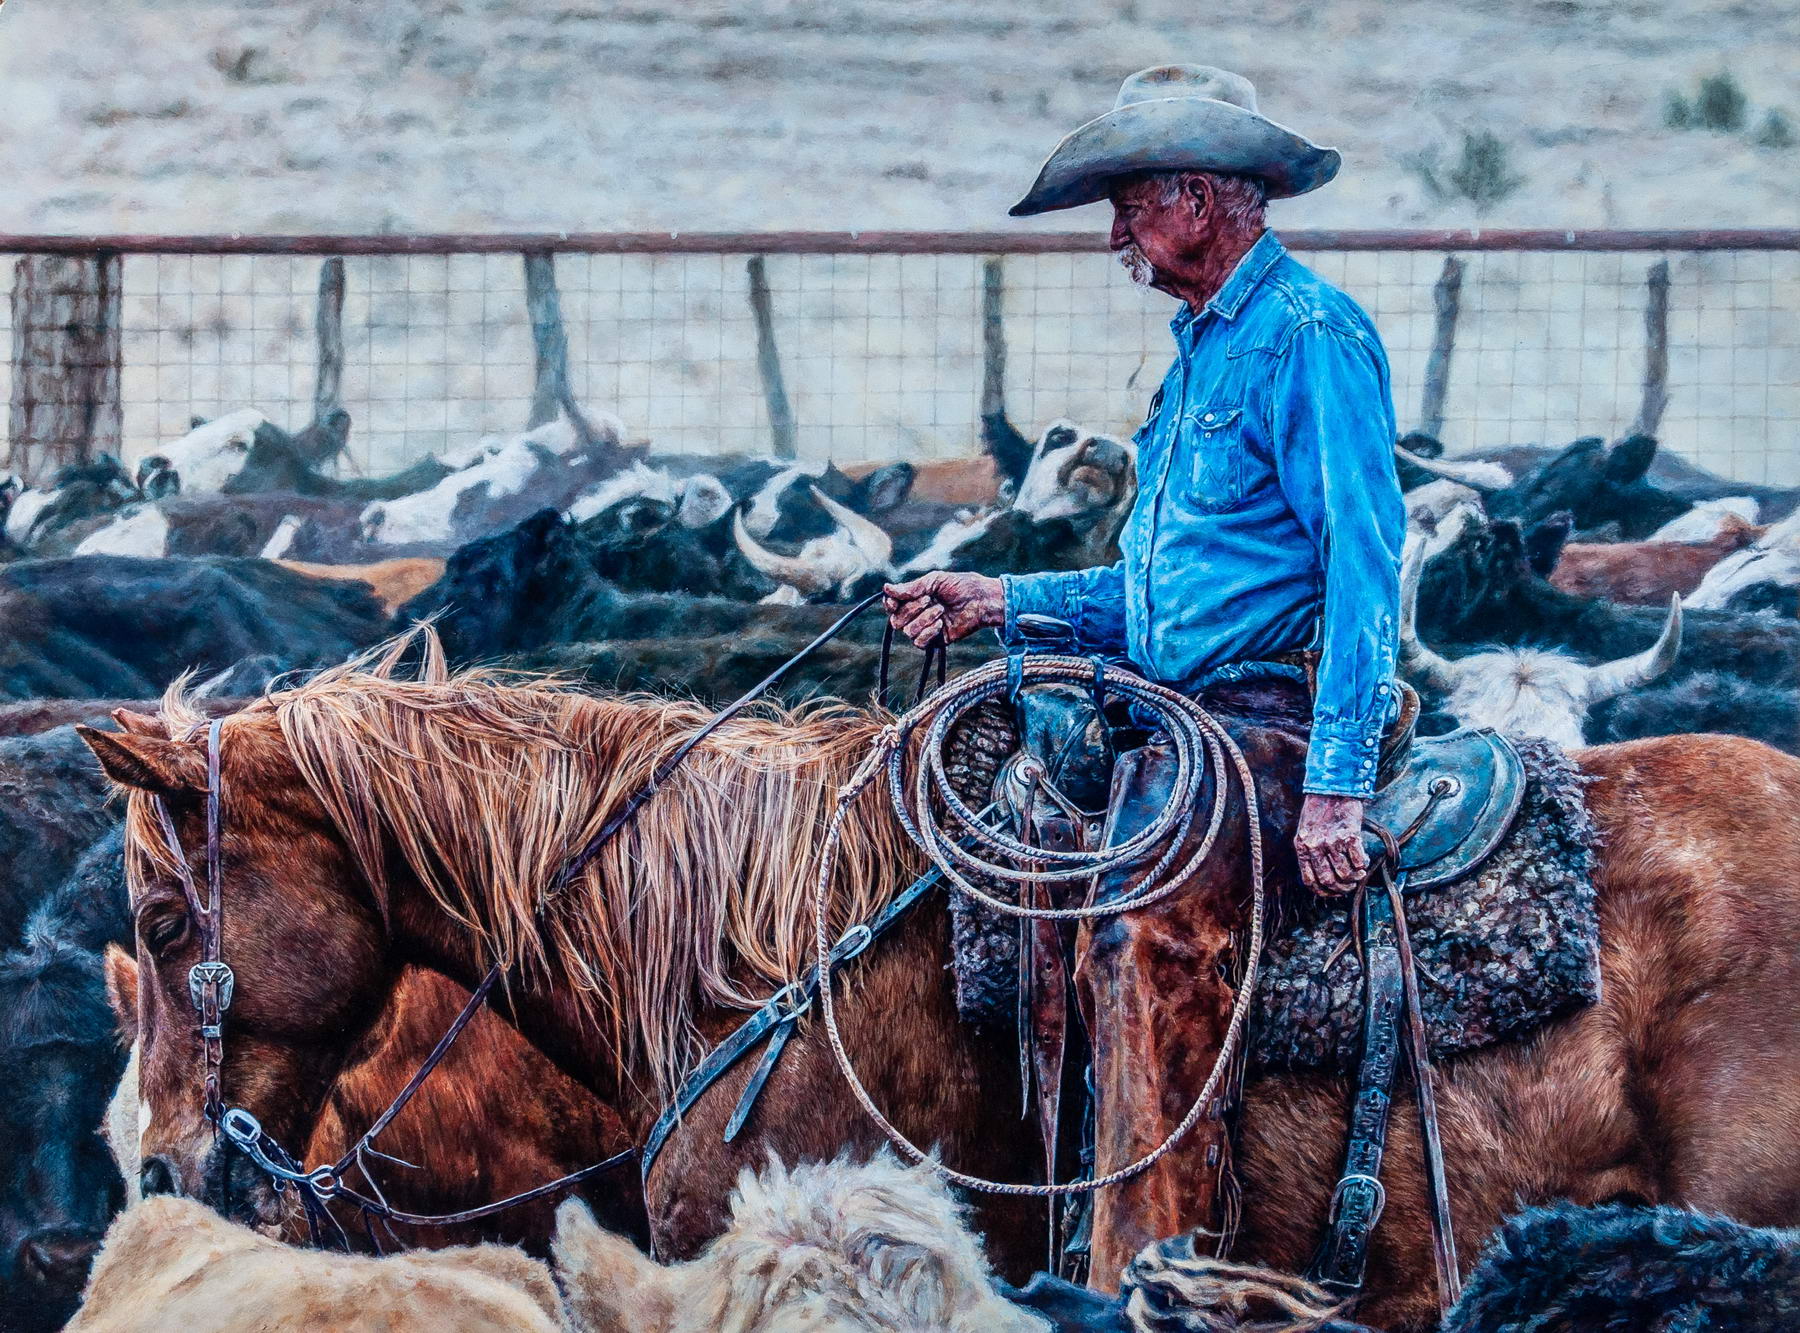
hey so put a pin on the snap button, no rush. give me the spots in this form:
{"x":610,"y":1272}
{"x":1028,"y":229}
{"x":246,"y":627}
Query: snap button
{"x":1207,"y":417}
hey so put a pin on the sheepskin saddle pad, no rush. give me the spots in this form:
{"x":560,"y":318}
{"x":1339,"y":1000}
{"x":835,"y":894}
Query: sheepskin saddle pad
{"x":1500,"y":951}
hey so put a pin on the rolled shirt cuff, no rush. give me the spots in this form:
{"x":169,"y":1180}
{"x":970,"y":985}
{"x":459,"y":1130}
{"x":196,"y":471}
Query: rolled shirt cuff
{"x":1036,"y":595}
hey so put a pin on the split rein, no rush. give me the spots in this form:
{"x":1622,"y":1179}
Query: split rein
{"x":1201,"y":746}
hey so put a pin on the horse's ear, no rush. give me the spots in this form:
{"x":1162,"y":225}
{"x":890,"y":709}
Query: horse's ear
{"x":122,"y":989}
{"x":610,"y":1287}
{"x":140,"y":724}
{"x":148,"y":763}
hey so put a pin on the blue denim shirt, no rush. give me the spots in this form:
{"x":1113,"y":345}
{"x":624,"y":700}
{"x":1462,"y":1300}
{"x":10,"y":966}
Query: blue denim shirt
{"x":1268,"y":515}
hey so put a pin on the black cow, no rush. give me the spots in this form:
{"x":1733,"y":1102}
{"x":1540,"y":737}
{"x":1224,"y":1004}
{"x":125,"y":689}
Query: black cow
{"x":52,"y":807}
{"x":1617,"y":1267}
{"x":716,"y":669}
{"x":1482,"y":590}
{"x":60,"y":1058}
{"x":117,"y":627}
{"x":536,"y":585}
{"x":1597,"y":485}
{"x":1705,"y":701}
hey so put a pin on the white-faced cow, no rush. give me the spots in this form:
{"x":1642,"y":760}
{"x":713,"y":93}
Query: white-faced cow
{"x":1523,"y":691}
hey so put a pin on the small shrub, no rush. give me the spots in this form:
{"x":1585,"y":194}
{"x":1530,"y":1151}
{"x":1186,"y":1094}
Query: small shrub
{"x":1720,"y":104}
{"x":1482,"y":173}
{"x":1776,"y":131}
{"x":1678,"y":112}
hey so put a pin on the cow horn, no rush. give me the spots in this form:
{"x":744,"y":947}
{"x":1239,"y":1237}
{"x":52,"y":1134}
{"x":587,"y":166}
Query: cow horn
{"x":1612,"y":678}
{"x":782,"y":568}
{"x":1474,"y":472}
{"x":1436,"y":671}
{"x":866,"y":534}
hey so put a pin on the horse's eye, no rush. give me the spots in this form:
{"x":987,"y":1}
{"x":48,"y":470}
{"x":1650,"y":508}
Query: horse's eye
{"x":163,"y":931}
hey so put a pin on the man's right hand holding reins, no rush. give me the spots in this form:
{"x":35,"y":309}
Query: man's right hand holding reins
{"x":944,"y":607}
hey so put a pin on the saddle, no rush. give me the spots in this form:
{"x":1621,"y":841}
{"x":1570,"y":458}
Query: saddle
{"x":1442,"y":808}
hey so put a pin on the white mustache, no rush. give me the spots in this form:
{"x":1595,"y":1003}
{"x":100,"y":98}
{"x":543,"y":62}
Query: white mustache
{"x":1136,"y":264}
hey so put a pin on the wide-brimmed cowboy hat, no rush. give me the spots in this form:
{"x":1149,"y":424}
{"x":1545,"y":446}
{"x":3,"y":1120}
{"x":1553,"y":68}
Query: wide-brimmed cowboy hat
{"x":1179,"y":118}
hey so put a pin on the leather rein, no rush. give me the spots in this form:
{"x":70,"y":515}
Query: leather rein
{"x":212,"y":983}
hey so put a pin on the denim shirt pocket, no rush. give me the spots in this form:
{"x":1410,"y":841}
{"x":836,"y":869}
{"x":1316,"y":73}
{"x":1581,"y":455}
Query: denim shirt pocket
{"x":1217,"y":471}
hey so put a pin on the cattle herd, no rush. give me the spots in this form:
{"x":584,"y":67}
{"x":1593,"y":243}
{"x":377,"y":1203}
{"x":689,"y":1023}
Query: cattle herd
{"x":1584,"y":594}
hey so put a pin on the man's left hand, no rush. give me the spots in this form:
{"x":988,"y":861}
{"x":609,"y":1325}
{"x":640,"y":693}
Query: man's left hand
{"x":1329,"y":844}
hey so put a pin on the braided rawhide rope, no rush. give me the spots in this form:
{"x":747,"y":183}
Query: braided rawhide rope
{"x":1201,"y":745}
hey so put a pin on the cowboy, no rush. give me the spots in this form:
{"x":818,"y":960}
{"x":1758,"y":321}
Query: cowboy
{"x":1268,"y":518}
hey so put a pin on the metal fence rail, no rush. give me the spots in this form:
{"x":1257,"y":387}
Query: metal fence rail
{"x":879,"y":345}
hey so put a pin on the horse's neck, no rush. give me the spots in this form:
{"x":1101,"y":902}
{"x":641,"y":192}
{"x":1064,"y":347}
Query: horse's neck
{"x":548,"y":1016}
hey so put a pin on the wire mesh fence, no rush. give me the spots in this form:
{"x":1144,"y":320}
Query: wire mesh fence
{"x":860,"y":348}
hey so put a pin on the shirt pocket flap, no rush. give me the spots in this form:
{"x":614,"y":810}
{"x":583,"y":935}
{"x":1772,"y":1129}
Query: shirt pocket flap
{"x":1210,"y":419}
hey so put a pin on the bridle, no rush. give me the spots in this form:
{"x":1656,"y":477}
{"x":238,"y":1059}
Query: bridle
{"x":211,"y":984}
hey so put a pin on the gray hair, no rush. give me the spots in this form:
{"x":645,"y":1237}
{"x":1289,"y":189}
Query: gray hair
{"x":1241,"y":201}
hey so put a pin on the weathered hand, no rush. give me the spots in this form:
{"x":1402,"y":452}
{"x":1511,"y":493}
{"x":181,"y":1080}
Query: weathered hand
{"x":1329,"y":844}
{"x":951,"y":605}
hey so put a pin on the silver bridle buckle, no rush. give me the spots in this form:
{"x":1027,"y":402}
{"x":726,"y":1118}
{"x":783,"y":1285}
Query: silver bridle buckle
{"x":217,"y":978}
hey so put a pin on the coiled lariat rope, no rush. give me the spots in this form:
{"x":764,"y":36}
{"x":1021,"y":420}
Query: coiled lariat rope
{"x":1201,"y":745}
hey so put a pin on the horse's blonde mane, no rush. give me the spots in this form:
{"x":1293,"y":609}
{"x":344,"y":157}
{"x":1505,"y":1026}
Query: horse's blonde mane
{"x":484,"y":783}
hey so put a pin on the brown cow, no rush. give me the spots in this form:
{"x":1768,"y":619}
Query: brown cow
{"x":1648,"y":573}
{"x":395,"y":582}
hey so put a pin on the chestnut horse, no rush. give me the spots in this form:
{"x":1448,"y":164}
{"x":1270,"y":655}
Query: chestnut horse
{"x":371,"y":822}
{"x":482,"y":1140}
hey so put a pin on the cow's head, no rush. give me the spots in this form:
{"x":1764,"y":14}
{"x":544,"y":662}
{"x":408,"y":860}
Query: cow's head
{"x":210,"y":456}
{"x":1597,"y":485}
{"x":60,"y":1059}
{"x":1076,"y":474}
{"x":1524,"y":691}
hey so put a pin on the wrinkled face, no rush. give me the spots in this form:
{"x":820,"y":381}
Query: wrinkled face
{"x":300,"y":934}
{"x":1154,"y":238}
{"x":207,"y":458}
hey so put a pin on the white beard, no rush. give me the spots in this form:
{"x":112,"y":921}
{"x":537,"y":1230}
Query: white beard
{"x":1136,"y":264}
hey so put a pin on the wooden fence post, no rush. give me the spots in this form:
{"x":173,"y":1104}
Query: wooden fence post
{"x":1447,"y":298}
{"x":66,"y":358}
{"x":1656,"y":350}
{"x":328,"y":322}
{"x":768,"y":360}
{"x":550,"y":383}
{"x":993,"y":337}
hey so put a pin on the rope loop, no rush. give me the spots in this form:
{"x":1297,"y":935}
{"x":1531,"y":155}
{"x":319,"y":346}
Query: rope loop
{"x":962,"y":847}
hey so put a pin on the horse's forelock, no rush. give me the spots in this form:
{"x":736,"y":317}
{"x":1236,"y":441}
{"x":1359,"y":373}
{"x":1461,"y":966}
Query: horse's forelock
{"x":484,"y":783}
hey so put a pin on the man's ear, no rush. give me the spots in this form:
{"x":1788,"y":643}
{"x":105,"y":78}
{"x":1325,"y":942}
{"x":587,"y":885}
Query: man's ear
{"x":140,"y":724}
{"x":148,"y":763}
{"x":1200,"y":195}
{"x":121,"y":971}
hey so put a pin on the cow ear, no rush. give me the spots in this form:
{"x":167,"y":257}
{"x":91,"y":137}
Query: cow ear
{"x":884,"y":489}
{"x":121,"y":971}
{"x":1544,"y":542}
{"x":140,"y":724}
{"x":609,"y":1285}
{"x":1630,"y":458}
{"x":147,"y":763}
